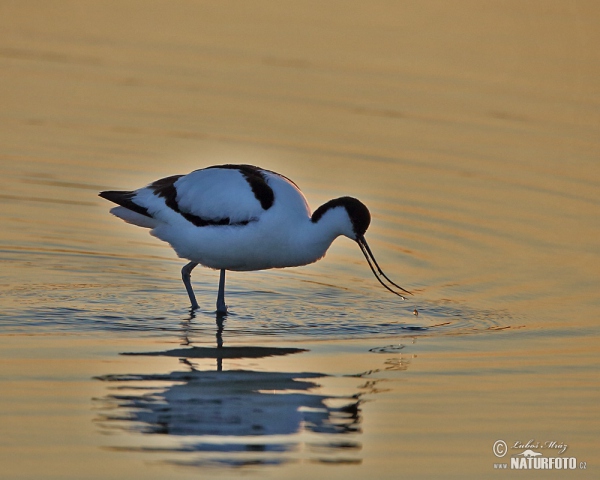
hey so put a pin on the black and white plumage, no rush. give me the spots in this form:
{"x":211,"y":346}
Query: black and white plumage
{"x":242,"y":217}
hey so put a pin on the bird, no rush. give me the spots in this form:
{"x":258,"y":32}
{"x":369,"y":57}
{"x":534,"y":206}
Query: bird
{"x":243,"y":218}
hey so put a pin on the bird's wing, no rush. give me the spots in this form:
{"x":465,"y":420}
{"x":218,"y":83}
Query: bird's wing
{"x":222,"y":195}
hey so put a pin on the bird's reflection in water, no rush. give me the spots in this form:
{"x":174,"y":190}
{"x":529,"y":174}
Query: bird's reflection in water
{"x":234,"y":417}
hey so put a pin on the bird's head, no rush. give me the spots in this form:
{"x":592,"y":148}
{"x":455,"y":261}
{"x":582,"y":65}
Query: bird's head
{"x":354,"y":218}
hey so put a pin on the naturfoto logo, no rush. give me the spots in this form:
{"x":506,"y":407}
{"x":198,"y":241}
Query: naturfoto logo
{"x":532,"y":459}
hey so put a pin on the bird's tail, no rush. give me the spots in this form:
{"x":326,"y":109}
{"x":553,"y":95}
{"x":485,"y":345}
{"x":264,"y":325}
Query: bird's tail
{"x":128,"y":209}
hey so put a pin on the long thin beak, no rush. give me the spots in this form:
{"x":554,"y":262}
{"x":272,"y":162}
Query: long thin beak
{"x":362,"y":243}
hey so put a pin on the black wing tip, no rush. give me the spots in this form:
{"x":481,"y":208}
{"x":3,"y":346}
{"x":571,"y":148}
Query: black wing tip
{"x":124,"y":199}
{"x":116,"y":196}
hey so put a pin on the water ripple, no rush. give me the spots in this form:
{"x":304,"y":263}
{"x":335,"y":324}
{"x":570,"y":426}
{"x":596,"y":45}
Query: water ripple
{"x":336,"y":314}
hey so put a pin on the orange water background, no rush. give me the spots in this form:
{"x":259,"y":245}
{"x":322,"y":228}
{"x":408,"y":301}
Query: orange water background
{"x":470,"y":129}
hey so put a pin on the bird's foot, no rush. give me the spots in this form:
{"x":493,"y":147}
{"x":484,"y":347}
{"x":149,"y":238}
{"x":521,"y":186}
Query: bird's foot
{"x":221,"y":308}
{"x":194,"y":306}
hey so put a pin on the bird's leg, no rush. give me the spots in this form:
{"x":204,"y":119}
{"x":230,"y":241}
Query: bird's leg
{"x":220,"y":327}
{"x":220,"y":320}
{"x":186,"y":274}
{"x":221,"y":307}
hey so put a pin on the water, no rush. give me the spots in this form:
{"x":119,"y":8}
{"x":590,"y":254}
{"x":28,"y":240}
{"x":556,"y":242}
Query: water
{"x":470,"y":131}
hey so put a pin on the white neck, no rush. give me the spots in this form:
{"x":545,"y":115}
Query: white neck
{"x":311,"y":240}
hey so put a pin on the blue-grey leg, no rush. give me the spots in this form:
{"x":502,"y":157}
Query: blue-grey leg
{"x":221,"y":307}
{"x":186,"y":274}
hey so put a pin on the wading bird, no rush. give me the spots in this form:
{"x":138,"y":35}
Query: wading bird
{"x":242,"y":218}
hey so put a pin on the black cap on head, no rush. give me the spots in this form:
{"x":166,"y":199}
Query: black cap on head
{"x":357,"y":211}
{"x":359,"y":214}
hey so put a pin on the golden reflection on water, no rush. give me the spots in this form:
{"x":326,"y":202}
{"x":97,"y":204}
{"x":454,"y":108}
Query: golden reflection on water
{"x":470,"y":129}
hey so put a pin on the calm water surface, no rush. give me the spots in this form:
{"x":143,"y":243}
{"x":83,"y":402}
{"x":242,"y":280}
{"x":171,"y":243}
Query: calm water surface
{"x":471,"y":132}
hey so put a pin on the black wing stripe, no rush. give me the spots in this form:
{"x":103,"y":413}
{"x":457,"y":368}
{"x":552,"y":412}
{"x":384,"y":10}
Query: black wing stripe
{"x":165,"y":188}
{"x":257,"y":181}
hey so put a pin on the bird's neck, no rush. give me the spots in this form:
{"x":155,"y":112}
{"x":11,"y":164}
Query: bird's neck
{"x":313,"y":239}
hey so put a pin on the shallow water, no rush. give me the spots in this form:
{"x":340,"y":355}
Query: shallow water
{"x":471,"y":132}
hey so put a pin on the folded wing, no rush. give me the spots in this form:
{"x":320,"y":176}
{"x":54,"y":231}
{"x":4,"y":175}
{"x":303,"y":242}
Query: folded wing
{"x":214,"y":196}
